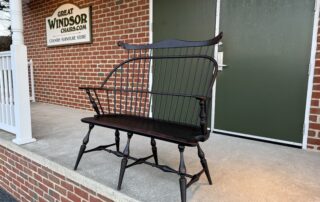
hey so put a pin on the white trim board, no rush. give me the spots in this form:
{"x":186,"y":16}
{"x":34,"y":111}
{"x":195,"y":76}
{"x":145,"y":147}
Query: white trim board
{"x":150,"y":41}
{"x":214,"y":88}
{"x":311,"y":74}
{"x":257,"y":137}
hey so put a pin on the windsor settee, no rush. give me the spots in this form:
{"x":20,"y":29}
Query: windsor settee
{"x":162,"y":91}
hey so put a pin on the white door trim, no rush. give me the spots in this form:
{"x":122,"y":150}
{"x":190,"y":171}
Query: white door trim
{"x":216,"y":32}
{"x":258,"y":138}
{"x":311,"y":74}
{"x":150,"y":42}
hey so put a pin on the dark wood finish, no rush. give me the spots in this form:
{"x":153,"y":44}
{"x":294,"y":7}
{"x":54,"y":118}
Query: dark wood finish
{"x":122,"y":101}
{"x":168,"y":131}
{"x":204,"y":163}
{"x":117,"y":139}
{"x":154,"y":150}
{"x":182,"y":171}
{"x":172,"y":43}
{"x":203,"y":116}
{"x":124,"y":161}
{"x":83,"y":146}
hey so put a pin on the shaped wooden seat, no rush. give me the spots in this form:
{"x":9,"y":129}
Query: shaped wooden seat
{"x":163,"y":130}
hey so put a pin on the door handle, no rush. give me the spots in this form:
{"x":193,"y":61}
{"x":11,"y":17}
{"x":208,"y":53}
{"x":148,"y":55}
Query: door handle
{"x":220,"y":61}
{"x":222,"y":65}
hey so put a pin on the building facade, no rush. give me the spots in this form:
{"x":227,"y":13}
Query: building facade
{"x":59,"y":71}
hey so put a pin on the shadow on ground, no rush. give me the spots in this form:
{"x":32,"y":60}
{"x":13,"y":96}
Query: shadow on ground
{"x":4,"y":196}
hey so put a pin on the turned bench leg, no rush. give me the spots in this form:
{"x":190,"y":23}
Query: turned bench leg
{"x":83,"y":146}
{"x":182,"y":171}
{"x":124,"y":161}
{"x":204,"y":163}
{"x":154,"y":150}
{"x":117,"y":139}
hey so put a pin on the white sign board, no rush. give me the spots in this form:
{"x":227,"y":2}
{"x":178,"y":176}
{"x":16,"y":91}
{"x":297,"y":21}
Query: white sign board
{"x":69,"y":25}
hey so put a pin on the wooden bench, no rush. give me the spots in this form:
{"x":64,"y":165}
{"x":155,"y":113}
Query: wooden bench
{"x":162,"y":91}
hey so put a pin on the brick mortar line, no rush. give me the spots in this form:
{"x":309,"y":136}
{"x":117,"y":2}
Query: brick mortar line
{"x":80,"y":179}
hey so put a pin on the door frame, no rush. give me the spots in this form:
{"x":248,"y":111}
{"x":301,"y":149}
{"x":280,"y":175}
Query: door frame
{"x":311,"y":73}
{"x":216,"y":32}
{"x":150,"y":41}
{"x":310,"y":78}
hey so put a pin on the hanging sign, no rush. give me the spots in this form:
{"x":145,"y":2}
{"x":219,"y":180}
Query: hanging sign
{"x":69,"y":25}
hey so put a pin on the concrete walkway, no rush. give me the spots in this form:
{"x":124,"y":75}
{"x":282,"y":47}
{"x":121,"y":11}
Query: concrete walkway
{"x":242,"y":170}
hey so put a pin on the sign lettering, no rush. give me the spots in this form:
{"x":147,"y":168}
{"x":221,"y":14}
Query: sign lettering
{"x":69,"y":25}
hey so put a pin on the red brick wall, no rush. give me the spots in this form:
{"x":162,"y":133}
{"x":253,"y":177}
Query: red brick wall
{"x":59,"y":71}
{"x":28,"y":181}
{"x":314,"y":126}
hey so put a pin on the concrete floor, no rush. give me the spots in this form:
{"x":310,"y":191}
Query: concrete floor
{"x":242,"y":170}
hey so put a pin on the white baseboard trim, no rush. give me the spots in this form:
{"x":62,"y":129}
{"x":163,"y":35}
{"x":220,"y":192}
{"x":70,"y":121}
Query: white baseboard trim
{"x":258,"y":138}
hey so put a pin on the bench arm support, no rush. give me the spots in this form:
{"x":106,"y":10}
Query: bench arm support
{"x":93,"y":102}
{"x":203,"y":119}
{"x":203,"y":116}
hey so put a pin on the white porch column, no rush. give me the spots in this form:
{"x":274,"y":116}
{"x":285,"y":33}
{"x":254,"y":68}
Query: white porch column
{"x":20,"y":76}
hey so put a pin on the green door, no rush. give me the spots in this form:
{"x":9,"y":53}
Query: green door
{"x":183,"y":19}
{"x":180,"y":19}
{"x":266,"y":46}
